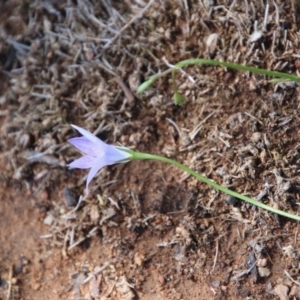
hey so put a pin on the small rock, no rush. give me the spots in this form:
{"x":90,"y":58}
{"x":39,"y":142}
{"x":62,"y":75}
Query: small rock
{"x":139,"y":259}
{"x":186,"y":141}
{"x":256,"y":137}
{"x":211,"y":43}
{"x":286,"y":186}
{"x":262,"y":262}
{"x":255,"y":36}
{"x":264,"y":272}
{"x":70,"y":197}
{"x":49,"y":220}
{"x":94,"y":214}
{"x":134,"y":80}
{"x":24,"y":140}
{"x":232,"y":200}
{"x":281,"y":291}
{"x":14,"y":280}
{"x":253,"y":222}
{"x":36,"y":286}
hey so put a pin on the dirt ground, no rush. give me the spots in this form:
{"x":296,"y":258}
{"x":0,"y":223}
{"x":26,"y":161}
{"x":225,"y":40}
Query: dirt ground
{"x":147,"y":230}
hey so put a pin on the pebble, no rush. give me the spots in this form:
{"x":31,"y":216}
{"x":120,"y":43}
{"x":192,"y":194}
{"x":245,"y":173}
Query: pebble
{"x":262,"y":262}
{"x":49,"y":220}
{"x":263,"y":272}
{"x":211,"y":43}
{"x":70,"y":197}
{"x":256,"y":137}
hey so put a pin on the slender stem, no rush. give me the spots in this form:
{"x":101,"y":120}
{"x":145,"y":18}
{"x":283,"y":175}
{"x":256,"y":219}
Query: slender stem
{"x":195,"y":61}
{"x":140,"y":155}
{"x":146,"y":84}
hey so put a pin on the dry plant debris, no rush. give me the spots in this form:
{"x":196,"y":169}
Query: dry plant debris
{"x":147,"y":231}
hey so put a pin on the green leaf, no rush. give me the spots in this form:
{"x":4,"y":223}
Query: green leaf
{"x":179,"y":99}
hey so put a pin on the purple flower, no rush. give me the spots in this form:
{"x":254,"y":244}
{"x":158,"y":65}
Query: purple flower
{"x":97,"y":154}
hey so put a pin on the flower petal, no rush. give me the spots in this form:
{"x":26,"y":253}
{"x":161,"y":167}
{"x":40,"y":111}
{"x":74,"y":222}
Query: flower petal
{"x":95,"y":168}
{"x":98,"y":153}
{"x":84,"y":162}
{"x":115,"y":155}
{"x":86,"y":146}
{"x":91,"y":137}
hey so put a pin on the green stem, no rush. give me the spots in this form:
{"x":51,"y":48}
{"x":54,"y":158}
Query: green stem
{"x":140,"y":155}
{"x":196,"y":61}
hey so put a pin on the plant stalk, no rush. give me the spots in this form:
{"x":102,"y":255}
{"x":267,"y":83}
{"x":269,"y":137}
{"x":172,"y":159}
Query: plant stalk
{"x":140,"y":156}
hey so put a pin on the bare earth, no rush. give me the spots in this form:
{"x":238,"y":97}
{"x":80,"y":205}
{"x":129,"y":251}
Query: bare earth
{"x":147,"y":230}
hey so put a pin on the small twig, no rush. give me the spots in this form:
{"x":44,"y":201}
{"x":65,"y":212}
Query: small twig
{"x":148,"y":218}
{"x":191,"y":147}
{"x":114,"y":203}
{"x":166,"y":244}
{"x":125,"y":88}
{"x":290,"y":277}
{"x":137,"y":204}
{"x":277,"y":13}
{"x":66,"y":216}
{"x":236,"y":277}
{"x":175,"y":125}
{"x":266,"y":17}
{"x":90,"y":234}
{"x":9,"y":282}
{"x":216,"y":256}
{"x":254,"y":118}
{"x":199,"y":126}
{"x":64,"y":248}
{"x":42,"y":96}
{"x":96,"y":272}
